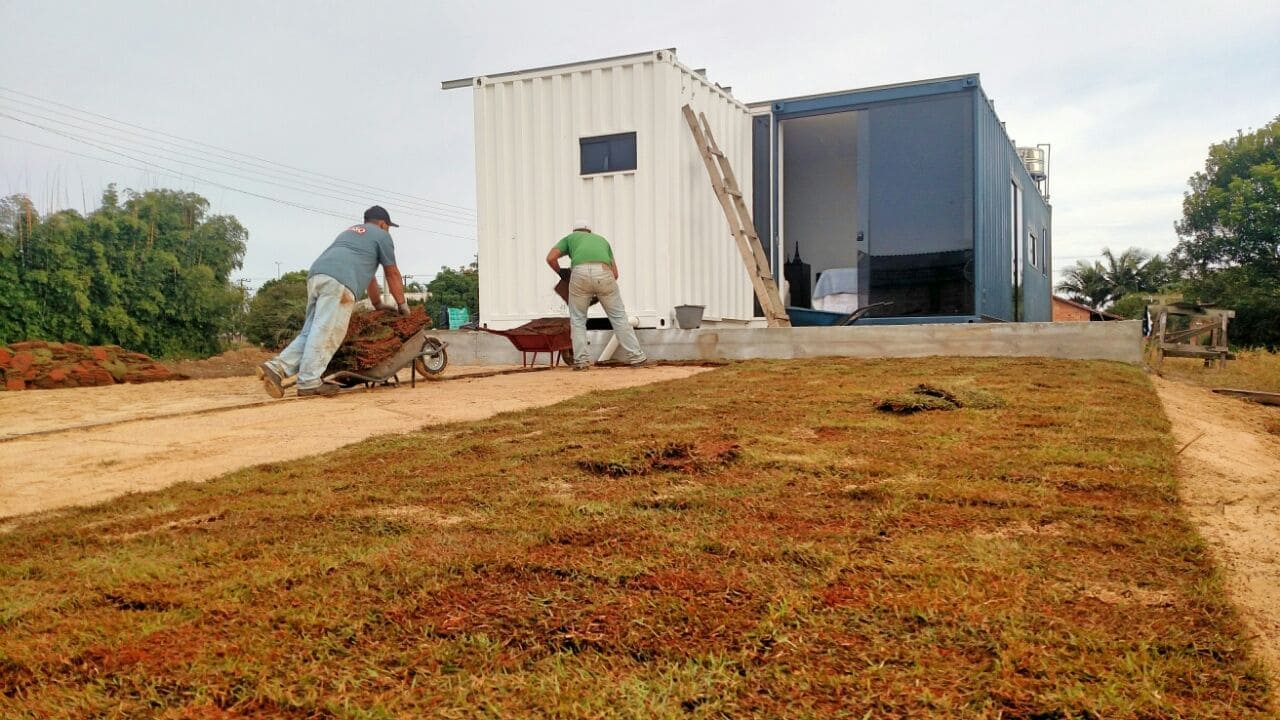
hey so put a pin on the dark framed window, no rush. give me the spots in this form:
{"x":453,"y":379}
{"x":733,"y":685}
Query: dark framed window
{"x":608,"y":153}
{"x":1044,"y":249}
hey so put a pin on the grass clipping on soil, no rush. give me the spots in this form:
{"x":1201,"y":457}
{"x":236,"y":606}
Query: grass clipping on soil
{"x":668,"y":457}
{"x":934,"y":397}
{"x":374,"y":336}
{"x":754,"y":541}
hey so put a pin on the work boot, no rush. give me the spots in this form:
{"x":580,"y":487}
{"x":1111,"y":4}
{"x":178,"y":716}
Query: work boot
{"x":641,"y":364}
{"x":322,"y":390}
{"x":581,"y":366}
{"x":271,"y":381}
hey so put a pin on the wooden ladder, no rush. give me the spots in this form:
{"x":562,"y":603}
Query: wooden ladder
{"x":725,"y":183}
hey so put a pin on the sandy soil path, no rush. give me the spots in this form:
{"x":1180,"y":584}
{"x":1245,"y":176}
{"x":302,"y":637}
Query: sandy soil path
{"x":145,"y":437}
{"x":1230,"y":482}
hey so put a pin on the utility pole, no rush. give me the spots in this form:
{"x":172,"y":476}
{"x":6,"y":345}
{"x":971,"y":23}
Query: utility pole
{"x":244,"y":309}
{"x":277,"y":269}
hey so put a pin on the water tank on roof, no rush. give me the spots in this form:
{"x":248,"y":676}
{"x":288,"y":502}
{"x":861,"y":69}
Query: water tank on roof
{"x":1033,"y":158}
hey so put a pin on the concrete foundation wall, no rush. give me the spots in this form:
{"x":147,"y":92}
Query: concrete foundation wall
{"x":1119,"y":341}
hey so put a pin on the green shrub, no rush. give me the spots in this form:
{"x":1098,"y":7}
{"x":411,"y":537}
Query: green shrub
{"x":277,"y":310}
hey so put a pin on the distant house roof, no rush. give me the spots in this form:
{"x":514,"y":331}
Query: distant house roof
{"x":1093,"y":314}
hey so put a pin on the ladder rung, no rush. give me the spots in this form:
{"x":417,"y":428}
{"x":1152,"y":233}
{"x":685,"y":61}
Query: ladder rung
{"x":732,"y":191}
{"x":715,"y":152}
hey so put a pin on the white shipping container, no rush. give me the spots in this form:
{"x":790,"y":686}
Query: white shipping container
{"x":668,"y":232}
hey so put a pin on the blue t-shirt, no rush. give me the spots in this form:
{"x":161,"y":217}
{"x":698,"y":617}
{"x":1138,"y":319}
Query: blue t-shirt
{"x":355,"y":255}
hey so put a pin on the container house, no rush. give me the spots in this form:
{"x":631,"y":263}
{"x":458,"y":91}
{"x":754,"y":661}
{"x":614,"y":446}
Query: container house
{"x":605,"y":140}
{"x":910,"y":198}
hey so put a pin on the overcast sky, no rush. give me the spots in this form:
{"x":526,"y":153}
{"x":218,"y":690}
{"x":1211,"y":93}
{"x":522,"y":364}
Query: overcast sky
{"x":1130,"y":95}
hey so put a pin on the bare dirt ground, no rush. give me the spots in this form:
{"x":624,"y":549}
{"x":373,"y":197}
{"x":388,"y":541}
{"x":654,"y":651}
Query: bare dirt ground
{"x":1230,"y":479}
{"x":240,"y":361}
{"x":86,"y":445}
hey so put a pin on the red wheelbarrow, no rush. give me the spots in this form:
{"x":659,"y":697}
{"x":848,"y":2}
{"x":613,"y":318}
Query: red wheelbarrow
{"x":545,"y":335}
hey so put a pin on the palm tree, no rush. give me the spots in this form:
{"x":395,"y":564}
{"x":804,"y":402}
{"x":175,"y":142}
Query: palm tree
{"x":1124,"y":272}
{"x":1098,"y":284}
{"x":1086,"y":283}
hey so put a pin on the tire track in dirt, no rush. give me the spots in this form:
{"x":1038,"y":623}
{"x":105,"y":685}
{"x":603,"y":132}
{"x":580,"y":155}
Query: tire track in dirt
{"x":1229,"y":479}
{"x":80,"y":467}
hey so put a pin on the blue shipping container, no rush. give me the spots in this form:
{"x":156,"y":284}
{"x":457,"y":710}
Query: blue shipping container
{"x":915,"y":192}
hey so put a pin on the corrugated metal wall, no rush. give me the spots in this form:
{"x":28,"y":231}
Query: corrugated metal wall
{"x":998,"y":166}
{"x":666,"y":227}
{"x":707,"y":266}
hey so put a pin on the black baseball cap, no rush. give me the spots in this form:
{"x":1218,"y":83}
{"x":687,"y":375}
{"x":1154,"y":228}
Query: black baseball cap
{"x":377,"y":212}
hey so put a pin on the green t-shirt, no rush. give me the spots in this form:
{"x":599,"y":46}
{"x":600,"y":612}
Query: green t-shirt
{"x":585,"y":247}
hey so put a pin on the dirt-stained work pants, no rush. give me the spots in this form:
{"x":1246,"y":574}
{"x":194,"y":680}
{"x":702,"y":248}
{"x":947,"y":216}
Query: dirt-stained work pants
{"x":329,"y":306}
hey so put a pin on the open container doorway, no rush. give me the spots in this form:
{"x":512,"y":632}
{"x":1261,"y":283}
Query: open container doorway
{"x":825,"y":163}
{"x":878,"y":200}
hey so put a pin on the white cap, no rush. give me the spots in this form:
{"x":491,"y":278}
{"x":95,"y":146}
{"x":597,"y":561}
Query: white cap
{"x":582,"y":224}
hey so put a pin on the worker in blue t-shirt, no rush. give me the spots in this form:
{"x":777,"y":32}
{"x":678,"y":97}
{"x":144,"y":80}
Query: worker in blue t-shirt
{"x":343,"y":269}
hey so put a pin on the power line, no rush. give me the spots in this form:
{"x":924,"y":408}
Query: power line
{"x":454,"y":216}
{"x":234,"y":152}
{"x":175,"y":174}
{"x":180,"y":174}
{"x":217,"y":158}
{"x":85,"y":139}
{"x":459,"y":208}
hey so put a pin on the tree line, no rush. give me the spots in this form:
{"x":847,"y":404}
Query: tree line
{"x":150,"y":272}
{"x":1228,"y":249}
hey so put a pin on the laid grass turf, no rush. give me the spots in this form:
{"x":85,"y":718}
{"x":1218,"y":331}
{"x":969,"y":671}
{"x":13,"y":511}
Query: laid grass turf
{"x":1251,"y":370}
{"x":755,"y":541}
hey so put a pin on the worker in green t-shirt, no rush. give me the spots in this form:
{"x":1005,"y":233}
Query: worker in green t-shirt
{"x":594,"y":274}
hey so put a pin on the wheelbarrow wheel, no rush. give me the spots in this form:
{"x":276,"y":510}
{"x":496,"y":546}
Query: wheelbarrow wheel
{"x":432,"y":366}
{"x":566,"y":357}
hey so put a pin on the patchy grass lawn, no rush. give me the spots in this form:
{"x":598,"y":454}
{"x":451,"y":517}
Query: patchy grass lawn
{"x":1251,"y":370}
{"x":756,"y":541}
